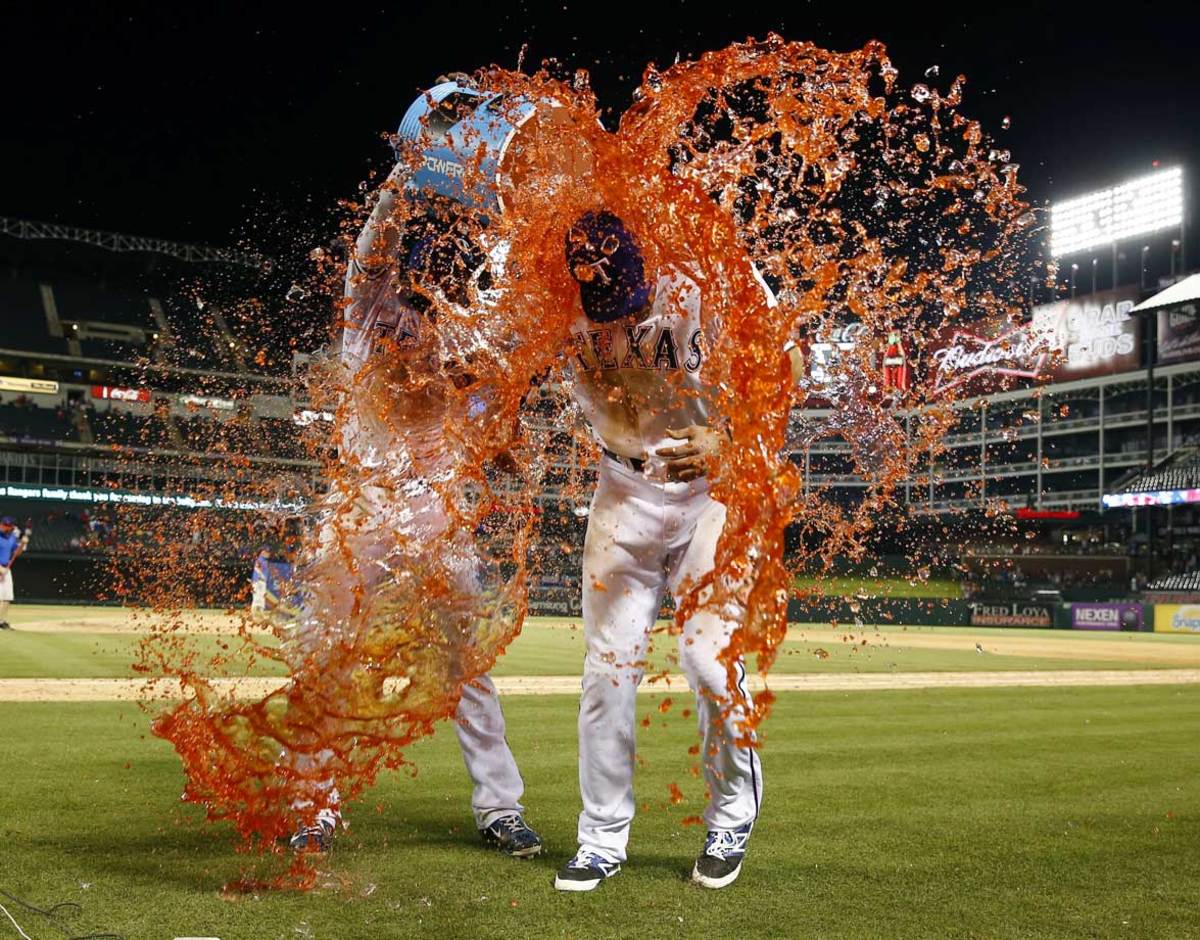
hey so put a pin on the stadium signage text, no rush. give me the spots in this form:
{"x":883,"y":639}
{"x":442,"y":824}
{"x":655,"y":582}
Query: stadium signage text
{"x":1179,"y":333}
{"x":1157,"y":498}
{"x":10,"y":383}
{"x":1015,"y":354}
{"x":305,"y":417}
{"x":1062,"y":341}
{"x":120,"y":394}
{"x":200,"y":401}
{"x":178,"y":500}
{"x":1106,"y":616}
{"x":1177,"y":618}
{"x":1095,"y":334}
{"x":1011,"y":615}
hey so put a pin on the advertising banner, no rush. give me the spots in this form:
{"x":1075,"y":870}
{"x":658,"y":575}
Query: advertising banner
{"x":1066,"y":340}
{"x":1116,"y":616}
{"x":1177,"y":618}
{"x":1012,"y":615}
{"x":203,"y":401}
{"x":120,"y":394}
{"x":1179,"y":333}
{"x":1094,"y":335}
{"x":1155,"y":498}
{"x":9,"y":383}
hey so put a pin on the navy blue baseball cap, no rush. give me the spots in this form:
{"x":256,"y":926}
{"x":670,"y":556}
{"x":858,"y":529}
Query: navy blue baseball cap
{"x":8,"y":520}
{"x":605,"y":260}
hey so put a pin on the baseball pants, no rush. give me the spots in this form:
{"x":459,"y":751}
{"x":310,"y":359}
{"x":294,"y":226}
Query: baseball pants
{"x":645,"y":537}
{"x":357,"y":555}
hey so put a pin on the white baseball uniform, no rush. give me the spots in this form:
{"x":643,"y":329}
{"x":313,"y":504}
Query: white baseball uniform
{"x":403,"y":451}
{"x":647,"y":534}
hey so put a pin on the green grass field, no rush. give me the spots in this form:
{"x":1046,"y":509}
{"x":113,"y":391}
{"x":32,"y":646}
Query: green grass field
{"x":553,"y":646}
{"x":966,"y":814}
{"x":887,"y":586}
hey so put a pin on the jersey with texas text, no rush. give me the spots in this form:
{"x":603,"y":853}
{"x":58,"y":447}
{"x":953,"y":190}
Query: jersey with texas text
{"x":635,"y":378}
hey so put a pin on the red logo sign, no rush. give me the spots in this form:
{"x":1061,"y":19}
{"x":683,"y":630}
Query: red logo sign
{"x":120,"y":394}
{"x":1015,"y":354}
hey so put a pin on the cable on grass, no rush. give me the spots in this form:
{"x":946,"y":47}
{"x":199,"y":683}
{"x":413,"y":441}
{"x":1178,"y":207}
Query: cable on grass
{"x":14,"y":922}
{"x":50,"y":913}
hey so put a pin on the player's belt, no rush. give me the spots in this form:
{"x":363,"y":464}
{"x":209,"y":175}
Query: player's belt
{"x":636,"y":464}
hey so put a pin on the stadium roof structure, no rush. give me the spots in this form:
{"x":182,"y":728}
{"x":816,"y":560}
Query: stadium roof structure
{"x":114,"y":241}
{"x":1178,"y":293}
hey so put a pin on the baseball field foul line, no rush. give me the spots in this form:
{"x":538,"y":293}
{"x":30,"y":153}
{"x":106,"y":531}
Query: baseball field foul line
{"x":117,"y":690}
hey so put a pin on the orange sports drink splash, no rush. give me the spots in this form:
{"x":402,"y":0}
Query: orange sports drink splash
{"x":815,"y":172}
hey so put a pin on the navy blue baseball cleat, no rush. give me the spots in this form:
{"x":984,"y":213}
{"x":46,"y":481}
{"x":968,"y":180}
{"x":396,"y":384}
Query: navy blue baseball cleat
{"x":721,"y":861}
{"x":316,"y":838}
{"x":512,"y":836}
{"x":585,"y":871}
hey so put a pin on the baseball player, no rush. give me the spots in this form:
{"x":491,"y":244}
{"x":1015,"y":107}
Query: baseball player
{"x":377,"y":536}
{"x":258,"y":580}
{"x":639,"y":356}
{"x":12,"y":543}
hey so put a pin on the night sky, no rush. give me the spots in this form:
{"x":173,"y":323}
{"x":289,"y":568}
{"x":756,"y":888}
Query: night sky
{"x":246,"y":123}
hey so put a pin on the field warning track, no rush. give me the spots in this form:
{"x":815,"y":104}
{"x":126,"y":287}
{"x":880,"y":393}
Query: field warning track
{"x":127,"y":690}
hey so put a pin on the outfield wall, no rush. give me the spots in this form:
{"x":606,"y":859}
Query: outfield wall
{"x":84,"y":580}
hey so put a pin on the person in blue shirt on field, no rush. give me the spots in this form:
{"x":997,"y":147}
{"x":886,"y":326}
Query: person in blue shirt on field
{"x":12,"y":543}
{"x":258,"y":580}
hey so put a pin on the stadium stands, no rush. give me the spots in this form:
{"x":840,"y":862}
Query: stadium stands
{"x":83,"y":301}
{"x":24,"y":420}
{"x":24,"y":317}
{"x":282,"y":438}
{"x":128,"y":429}
{"x":1180,"y":471}
{"x":1185,"y":582}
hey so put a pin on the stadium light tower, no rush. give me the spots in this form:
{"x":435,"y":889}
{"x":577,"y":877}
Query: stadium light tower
{"x":1147,"y":204}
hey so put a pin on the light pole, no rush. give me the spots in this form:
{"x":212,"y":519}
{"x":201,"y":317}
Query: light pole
{"x":1142,"y":275}
{"x":1094,"y":261}
{"x":1174,"y":252}
{"x":1074,"y":270}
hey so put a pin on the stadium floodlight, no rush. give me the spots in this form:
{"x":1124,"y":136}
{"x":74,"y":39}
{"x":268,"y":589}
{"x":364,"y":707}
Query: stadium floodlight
{"x":1146,"y":204}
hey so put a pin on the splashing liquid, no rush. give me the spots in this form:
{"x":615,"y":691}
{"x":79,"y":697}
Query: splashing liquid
{"x":855,"y":200}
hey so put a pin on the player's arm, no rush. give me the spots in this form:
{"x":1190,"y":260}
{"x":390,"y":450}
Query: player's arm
{"x":380,"y":237}
{"x":23,"y":543}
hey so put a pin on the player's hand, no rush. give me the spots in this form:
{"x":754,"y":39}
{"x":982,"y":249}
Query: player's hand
{"x":689,"y":460}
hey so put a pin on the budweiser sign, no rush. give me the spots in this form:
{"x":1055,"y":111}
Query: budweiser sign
{"x":1017,"y":353}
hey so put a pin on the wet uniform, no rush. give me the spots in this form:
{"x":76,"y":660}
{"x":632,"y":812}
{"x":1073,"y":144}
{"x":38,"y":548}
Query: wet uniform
{"x":647,"y":534}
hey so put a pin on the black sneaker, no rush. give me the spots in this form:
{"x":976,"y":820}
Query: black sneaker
{"x":721,"y":861}
{"x":585,"y":872}
{"x":4,"y":625}
{"x":512,"y":836}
